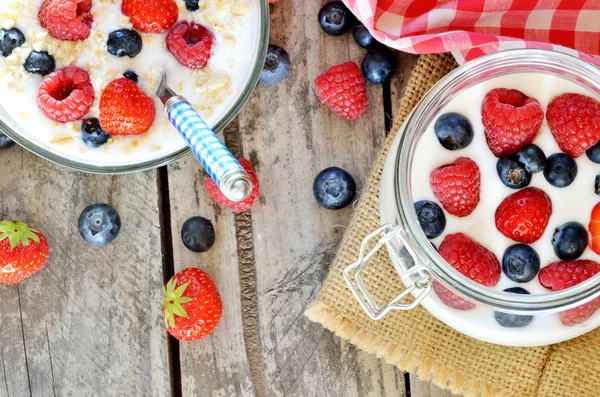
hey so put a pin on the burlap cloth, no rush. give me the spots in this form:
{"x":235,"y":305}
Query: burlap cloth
{"x":417,"y":342}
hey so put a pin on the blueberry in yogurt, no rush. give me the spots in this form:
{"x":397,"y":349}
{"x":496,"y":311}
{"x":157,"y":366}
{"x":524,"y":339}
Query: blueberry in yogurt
{"x":40,"y":63}
{"x":431,"y":218}
{"x":454,"y":131}
{"x":520,"y":263}
{"x":560,"y":170}
{"x":124,"y":42}
{"x":511,"y":320}
{"x":9,"y":40}
{"x":570,"y":240}
{"x":512,"y":172}
{"x":533,"y":158}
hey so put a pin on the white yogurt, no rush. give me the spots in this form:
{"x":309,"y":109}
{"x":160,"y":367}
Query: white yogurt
{"x":212,"y":90}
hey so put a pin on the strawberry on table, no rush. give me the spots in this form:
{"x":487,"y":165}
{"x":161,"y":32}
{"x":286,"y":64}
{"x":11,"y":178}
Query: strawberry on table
{"x":510,"y":120}
{"x":574,"y":120}
{"x":192,"y":305}
{"x":523,"y":216}
{"x":215,"y":193}
{"x":151,"y":17}
{"x":23,"y":251}
{"x":457,"y":186}
{"x":342,"y":89}
{"x":69,"y":20}
{"x":125,"y":109}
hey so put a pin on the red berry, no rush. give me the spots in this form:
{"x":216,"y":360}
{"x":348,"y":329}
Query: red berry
{"x":125,"y":109}
{"x":450,"y":298}
{"x":23,"y":251}
{"x":190,"y":44}
{"x":594,"y":228}
{"x":574,"y":121}
{"x":215,"y":193}
{"x":152,"y":17}
{"x":523,"y":216}
{"x":69,"y":20}
{"x":66,"y":94}
{"x":560,"y":275}
{"x":342,"y":89}
{"x":457,"y":186}
{"x":510,"y":120}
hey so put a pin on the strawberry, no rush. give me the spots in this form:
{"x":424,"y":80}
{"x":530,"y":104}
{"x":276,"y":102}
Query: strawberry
{"x":523,"y":216}
{"x":152,"y":17}
{"x":510,"y":120}
{"x":470,"y":259}
{"x":69,"y":20}
{"x":560,"y":275}
{"x":574,"y":120}
{"x":23,"y":251}
{"x":125,"y":109}
{"x":215,"y":193}
{"x":192,"y":305}
{"x":457,"y":186}
{"x":342,"y":89}
{"x":594,"y":228}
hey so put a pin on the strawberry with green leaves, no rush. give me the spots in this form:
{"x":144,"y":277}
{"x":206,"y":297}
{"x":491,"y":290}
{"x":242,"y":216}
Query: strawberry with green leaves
{"x":192,"y":305}
{"x":23,"y":251}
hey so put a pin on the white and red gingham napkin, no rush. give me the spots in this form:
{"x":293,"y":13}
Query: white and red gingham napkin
{"x":471,"y":28}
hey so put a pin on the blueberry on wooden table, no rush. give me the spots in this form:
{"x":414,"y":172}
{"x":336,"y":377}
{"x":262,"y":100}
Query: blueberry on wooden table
{"x":560,"y":170}
{"x":40,"y":63}
{"x":512,"y":172}
{"x":453,"y":130}
{"x":124,"y":42}
{"x":431,"y":218}
{"x":9,"y":40}
{"x":533,"y":158}
{"x":335,"y":18}
{"x":511,"y":320}
{"x":520,"y":263}
{"x":380,"y":65}
{"x":92,"y":133}
{"x":99,"y":224}
{"x":334,"y":188}
{"x":5,"y":141}
{"x":570,"y":240}
{"x":198,"y":234}
{"x":277,"y":65}
{"x":363,"y":37}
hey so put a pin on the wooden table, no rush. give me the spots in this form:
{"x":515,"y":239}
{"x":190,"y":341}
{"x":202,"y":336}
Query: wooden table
{"x":89,"y":323}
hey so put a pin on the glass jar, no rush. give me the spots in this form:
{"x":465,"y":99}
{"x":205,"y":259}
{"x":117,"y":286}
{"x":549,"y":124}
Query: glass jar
{"x":416,"y":260}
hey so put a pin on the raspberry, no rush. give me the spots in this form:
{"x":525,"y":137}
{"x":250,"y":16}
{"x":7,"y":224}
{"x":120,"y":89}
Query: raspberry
{"x":190,"y":44}
{"x":450,"y":298}
{"x":66,"y":94}
{"x":560,"y":275}
{"x":125,"y":109}
{"x":574,"y":121}
{"x":342,"y":89}
{"x":457,"y":186}
{"x":510,"y":120}
{"x":152,"y":17}
{"x":523,"y":216}
{"x":594,"y":228}
{"x":69,"y":20}
{"x":215,"y":193}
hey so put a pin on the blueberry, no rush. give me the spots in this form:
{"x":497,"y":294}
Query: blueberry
{"x":560,"y":170}
{"x":520,"y":263}
{"x":334,"y":188}
{"x":124,"y":42}
{"x":198,"y":234}
{"x":192,"y":5}
{"x":593,"y":153}
{"x":512,"y":172}
{"x":99,"y":224}
{"x":92,"y":133}
{"x":513,"y":320}
{"x":597,"y":184}
{"x":277,"y":65}
{"x":533,"y":158}
{"x":569,"y":241}
{"x":40,"y":63}
{"x":5,"y":141}
{"x":363,"y":37}
{"x":9,"y":40}
{"x":454,"y":131}
{"x":335,"y":18}
{"x":431,"y":217}
{"x":380,"y":65}
{"x":131,"y":75}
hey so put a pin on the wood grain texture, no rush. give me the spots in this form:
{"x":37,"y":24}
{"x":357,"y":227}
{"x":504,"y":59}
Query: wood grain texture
{"x":89,"y":323}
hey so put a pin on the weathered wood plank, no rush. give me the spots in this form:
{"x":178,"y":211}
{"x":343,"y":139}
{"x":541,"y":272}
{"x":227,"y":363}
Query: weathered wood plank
{"x":422,"y":388}
{"x":89,"y":323}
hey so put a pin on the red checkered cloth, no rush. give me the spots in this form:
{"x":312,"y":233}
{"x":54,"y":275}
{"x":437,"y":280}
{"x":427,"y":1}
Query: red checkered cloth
{"x":470,"y":28}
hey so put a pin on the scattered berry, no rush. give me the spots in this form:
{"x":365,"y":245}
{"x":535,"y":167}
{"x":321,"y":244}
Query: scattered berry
{"x":23,"y":251}
{"x":192,"y":5}
{"x":5,"y":141}
{"x":334,"y":188}
{"x":523,"y":216}
{"x":560,"y":170}
{"x":92,"y":133}
{"x":277,"y":65}
{"x":215,"y":193}
{"x":125,"y":109}
{"x":342,"y":89}
{"x":454,"y":131}
{"x":192,"y":305}
{"x":574,"y":121}
{"x":569,"y":241}
{"x":593,"y":153}
{"x":457,"y":186}
{"x":520,"y":263}
{"x":533,"y":158}
{"x":131,"y":75}
{"x":512,"y":172}
{"x":198,"y":234}
{"x":40,"y":63}
{"x":190,"y":44}
{"x":9,"y":40}
{"x":69,"y":20}
{"x":99,"y":224}
{"x":66,"y":94}
{"x":380,"y":65}
{"x":335,"y":18}
{"x":510,"y":119}
{"x":363,"y":37}
{"x":594,"y":228}
{"x":513,"y":320}
{"x":560,"y":275}
{"x":431,"y":218}
{"x":152,"y":17}
{"x":124,"y":42}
